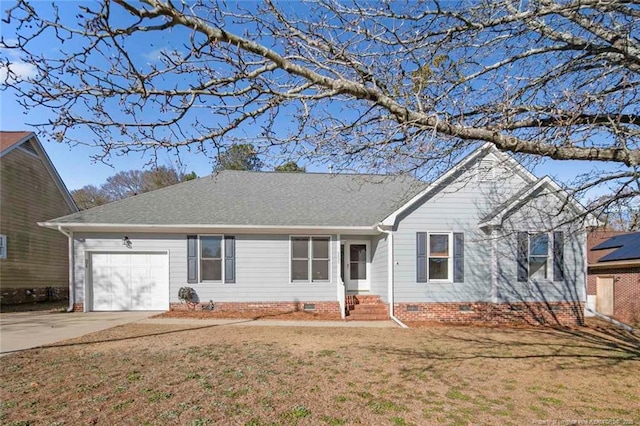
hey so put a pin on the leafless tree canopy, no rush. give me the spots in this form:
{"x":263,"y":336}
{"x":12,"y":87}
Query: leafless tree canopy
{"x":389,"y":86}
{"x":128,"y":183}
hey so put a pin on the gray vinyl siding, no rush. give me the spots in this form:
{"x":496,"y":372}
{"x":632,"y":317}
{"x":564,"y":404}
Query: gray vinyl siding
{"x":176,"y":245}
{"x":541,"y":215}
{"x":262,"y":267}
{"x":379,"y":266}
{"x":455,"y":207}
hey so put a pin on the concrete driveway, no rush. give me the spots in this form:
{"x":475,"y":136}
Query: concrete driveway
{"x":25,"y":330}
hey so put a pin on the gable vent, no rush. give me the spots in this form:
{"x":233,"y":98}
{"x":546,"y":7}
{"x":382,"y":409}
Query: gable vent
{"x":486,"y":170}
{"x":28,"y":147}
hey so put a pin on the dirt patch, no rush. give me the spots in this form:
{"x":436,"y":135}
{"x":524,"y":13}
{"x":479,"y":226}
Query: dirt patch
{"x":255,"y":315}
{"x":200,"y":375}
{"x":54,"y":307}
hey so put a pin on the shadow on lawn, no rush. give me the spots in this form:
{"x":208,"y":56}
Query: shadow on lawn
{"x":570,"y":348}
{"x":122,"y":339}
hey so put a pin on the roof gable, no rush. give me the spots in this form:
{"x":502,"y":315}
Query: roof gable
{"x":481,"y":152}
{"x":544,"y":185}
{"x":11,"y":140}
{"x":29,"y":141}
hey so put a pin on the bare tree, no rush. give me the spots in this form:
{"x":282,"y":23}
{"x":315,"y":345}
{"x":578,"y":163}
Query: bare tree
{"x":124,"y":184}
{"x":128,"y":183}
{"x":390,"y":86}
{"x":89,"y":196}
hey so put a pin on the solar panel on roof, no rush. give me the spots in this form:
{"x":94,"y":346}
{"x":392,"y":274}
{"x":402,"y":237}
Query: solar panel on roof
{"x":628,"y":247}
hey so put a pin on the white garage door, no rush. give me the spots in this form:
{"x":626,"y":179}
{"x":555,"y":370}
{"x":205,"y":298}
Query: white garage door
{"x":130,"y":281}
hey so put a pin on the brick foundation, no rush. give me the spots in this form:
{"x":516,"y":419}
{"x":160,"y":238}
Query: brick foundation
{"x":626,"y":291}
{"x":560,"y":313}
{"x":78,"y":307}
{"x":16,"y":296}
{"x":263,"y":307}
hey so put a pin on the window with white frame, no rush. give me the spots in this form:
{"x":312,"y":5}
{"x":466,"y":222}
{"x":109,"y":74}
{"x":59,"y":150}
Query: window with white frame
{"x":538,"y":255}
{"x":211,"y":258}
{"x":439,"y":255}
{"x":3,"y":246}
{"x":310,"y":258}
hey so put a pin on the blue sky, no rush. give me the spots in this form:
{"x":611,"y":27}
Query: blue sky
{"x":76,"y":167}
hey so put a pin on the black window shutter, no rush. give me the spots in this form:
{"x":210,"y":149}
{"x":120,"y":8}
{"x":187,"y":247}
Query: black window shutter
{"x":558,"y":256}
{"x":229,"y":259}
{"x":458,"y":257}
{"x":192,"y":258}
{"x":421,"y":257}
{"x":523,"y":257}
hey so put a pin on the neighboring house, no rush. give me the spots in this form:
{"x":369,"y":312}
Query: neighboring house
{"x":487,"y":241}
{"x":34,"y":262}
{"x":614,"y":274}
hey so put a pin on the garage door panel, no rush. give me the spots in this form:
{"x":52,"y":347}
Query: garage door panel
{"x":102,"y":289}
{"x":130,"y":281}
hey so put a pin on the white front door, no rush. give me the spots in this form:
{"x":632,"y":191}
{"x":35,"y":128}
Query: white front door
{"x":357,"y":265}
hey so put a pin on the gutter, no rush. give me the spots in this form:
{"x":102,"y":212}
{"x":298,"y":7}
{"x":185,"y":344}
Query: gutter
{"x":72,"y":295}
{"x":390,"y":274}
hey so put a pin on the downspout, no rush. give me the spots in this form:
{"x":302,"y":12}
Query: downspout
{"x":390,"y":274}
{"x":72,"y":293}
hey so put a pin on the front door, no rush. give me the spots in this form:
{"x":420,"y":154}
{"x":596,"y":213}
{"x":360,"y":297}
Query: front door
{"x":357,"y":266}
{"x":604,"y":295}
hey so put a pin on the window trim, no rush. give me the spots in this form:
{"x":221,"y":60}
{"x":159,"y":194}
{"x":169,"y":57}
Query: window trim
{"x":310,"y":259}
{"x":3,"y":248}
{"x":222,"y":258}
{"x":548,"y":256}
{"x":449,"y":278}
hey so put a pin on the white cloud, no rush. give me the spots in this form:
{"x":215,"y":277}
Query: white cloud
{"x":17,"y":71}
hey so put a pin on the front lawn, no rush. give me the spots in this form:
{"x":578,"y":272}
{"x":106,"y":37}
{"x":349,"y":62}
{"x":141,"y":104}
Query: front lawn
{"x":199,"y":375}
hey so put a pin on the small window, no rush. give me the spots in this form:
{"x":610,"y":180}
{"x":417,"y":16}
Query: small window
{"x":538,"y":255}
{"x":310,"y":258}
{"x":210,"y":258}
{"x":3,"y":246}
{"x":439,"y":257}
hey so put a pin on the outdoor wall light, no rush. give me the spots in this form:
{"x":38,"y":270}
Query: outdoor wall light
{"x":126,"y":241}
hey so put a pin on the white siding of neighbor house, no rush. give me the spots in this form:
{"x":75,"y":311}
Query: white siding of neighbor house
{"x":262,"y":267}
{"x":456,"y":207}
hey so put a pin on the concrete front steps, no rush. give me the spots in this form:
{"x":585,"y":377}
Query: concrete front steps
{"x":369,"y":307}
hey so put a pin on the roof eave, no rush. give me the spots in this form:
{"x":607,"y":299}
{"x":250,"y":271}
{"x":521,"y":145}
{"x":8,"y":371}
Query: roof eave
{"x":177,"y":228}
{"x":614,"y":264}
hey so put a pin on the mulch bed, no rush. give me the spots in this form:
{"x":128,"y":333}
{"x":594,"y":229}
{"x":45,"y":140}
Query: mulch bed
{"x":256,"y":315}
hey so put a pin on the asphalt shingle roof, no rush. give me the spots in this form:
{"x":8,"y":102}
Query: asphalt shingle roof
{"x":261,"y":199}
{"x":10,"y":138}
{"x":627,"y":245}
